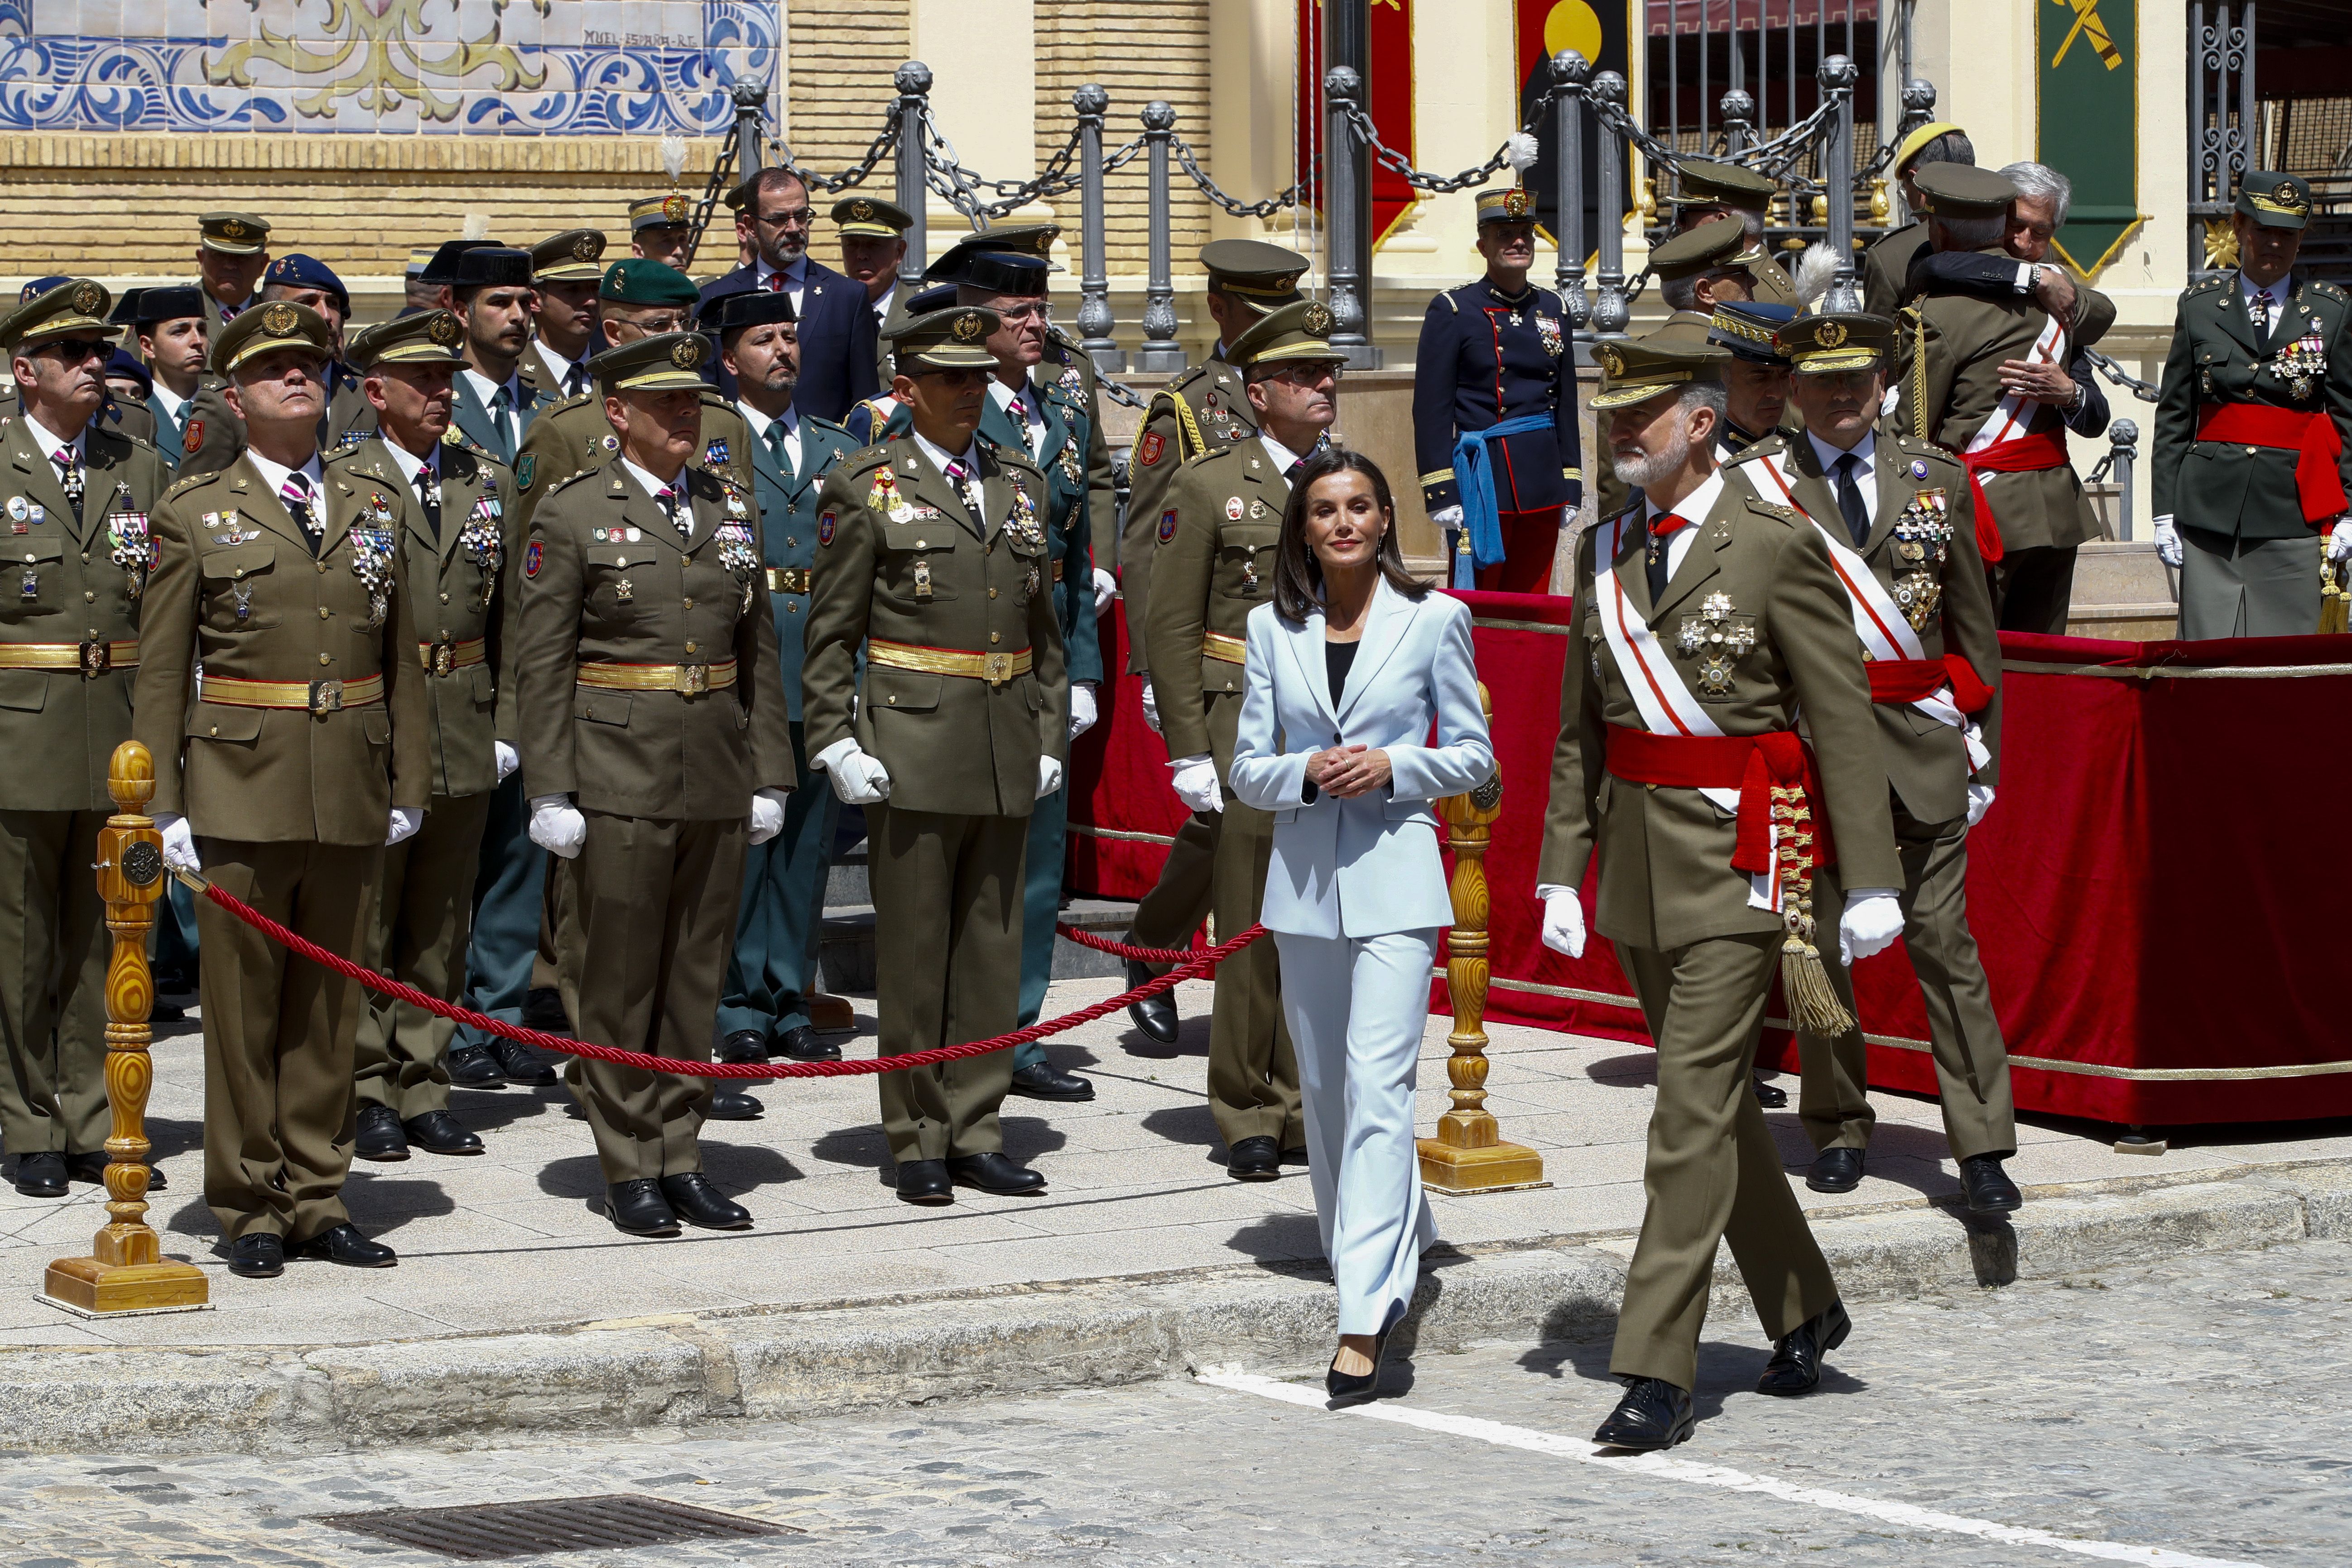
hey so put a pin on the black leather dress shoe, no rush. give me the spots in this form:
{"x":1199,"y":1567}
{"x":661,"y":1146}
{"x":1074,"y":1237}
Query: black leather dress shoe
{"x":257,"y":1255}
{"x":1770,"y":1096}
{"x":1155,"y":1015}
{"x":1796,"y":1363}
{"x":543,"y":1009}
{"x":638,"y":1207}
{"x":1043,"y":1080}
{"x":1987,"y":1186}
{"x":92,"y":1168}
{"x":1350,"y":1388}
{"x":474,"y":1066}
{"x":438,"y":1132}
{"x":380,"y":1135}
{"x":800,"y":1044}
{"x":167,"y":1012}
{"x":41,"y":1175}
{"x":1654,"y":1413}
{"x":694,"y":1200}
{"x":344,"y":1244}
{"x":925,"y":1182}
{"x":1294,"y":1156}
{"x":1834,"y":1171}
{"x":992,"y":1172}
{"x":523,"y":1065}
{"x":729,"y":1103}
{"x":744,"y":1045}
{"x":1254,"y":1160}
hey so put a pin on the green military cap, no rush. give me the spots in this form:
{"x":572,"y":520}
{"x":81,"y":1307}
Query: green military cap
{"x":1827,"y":344}
{"x":1711,"y":182}
{"x":75,"y":306}
{"x":1963,"y":190}
{"x":871,"y":217}
{"x":264,"y":328}
{"x":1638,"y":369}
{"x":642,"y":281}
{"x":2273,"y":200}
{"x":659,"y":211}
{"x":426,"y":337}
{"x":662,"y":363}
{"x":1707,"y":248}
{"x":575,"y":256}
{"x":1262,"y":276}
{"x":1914,"y":144}
{"x":1516,"y":205}
{"x":952,"y":339}
{"x":1286,"y":334}
{"x":232,"y":234}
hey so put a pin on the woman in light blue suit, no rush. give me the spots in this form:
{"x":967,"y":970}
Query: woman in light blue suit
{"x":1346,"y":672}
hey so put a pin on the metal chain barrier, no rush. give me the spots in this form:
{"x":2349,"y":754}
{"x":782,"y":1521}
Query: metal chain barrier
{"x":856,"y":175}
{"x":1233,"y":204}
{"x":2118,"y":376}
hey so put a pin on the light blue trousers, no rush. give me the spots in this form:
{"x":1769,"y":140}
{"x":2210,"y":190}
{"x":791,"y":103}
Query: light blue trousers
{"x":1357,"y":1009}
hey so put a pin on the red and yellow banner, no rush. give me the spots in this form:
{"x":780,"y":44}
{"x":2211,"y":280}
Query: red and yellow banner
{"x":1542,"y":29}
{"x":1390,"y":70}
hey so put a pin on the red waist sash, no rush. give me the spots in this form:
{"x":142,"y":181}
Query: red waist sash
{"x":1894,"y":680}
{"x":2018,"y":454}
{"x":2310,"y":433}
{"x":1752,"y":764}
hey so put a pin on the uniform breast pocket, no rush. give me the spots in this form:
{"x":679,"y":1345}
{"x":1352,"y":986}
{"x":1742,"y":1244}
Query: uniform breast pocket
{"x":614,"y":579}
{"x":918,"y":560}
{"x":238,"y":596}
{"x":1246,"y":563}
{"x":29,"y":585}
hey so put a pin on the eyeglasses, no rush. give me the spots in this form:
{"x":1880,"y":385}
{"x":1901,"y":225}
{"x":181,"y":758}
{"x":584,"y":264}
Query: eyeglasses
{"x":1027,"y":311}
{"x":799,"y":218}
{"x":73,"y":351}
{"x":1307,"y":377}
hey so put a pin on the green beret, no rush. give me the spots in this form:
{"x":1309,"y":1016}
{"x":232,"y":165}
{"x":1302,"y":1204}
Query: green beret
{"x":642,"y":281}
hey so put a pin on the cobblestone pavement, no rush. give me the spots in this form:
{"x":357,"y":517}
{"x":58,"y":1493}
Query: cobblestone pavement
{"x":2182,"y":1413}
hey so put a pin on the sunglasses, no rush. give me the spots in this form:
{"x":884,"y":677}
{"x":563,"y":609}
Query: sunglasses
{"x":73,"y":351}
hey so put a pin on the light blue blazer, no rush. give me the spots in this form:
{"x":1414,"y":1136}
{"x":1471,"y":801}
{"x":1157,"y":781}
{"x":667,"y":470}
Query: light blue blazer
{"x":1369,"y":865}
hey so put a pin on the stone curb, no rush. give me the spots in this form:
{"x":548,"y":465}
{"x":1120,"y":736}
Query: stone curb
{"x":810,"y":1360}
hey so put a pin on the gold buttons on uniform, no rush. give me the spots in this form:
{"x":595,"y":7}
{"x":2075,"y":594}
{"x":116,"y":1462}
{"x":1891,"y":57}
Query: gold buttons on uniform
{"x":323,"y":612}
{"x":992,"y":593}
{"x":215,"y":729}
{"x":993,"y":638}
{"x":789,"y":541}
{"x":444,"y":598}
{"x":85,"y":557}
{"x":689,"y":604}
{"x":322,"y":566}
{"x":689,"y":647}
{"x":894,"y":702}
{"x":89,"y":597}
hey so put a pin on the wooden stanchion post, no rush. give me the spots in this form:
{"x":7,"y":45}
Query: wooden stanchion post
{"x":128,"y":1272}
{"x":1468,"y":1155}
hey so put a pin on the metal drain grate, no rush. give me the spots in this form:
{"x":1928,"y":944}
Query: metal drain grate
{"x":488,"y":1530}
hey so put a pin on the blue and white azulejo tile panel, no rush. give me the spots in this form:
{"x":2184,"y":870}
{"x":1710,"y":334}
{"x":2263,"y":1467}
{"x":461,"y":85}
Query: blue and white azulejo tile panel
{"x":447,"y":67}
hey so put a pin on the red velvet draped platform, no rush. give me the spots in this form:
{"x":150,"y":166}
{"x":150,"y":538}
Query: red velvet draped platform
{"x":2157,"y":890}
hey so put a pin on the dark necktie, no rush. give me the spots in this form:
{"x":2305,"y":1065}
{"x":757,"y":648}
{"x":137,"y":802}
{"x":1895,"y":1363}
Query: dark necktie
{"x":70,"y":476}
{"x":1020,"y":411}
{"x":1290,"y":474}
{"x":2258,"y":308}
{"x":776,"y":448}
{"x":679,"y":517}
{"x":428,"y":496}
{"x":296,"y":493}
{"x":576,"y":380}
{"x":501,"y":403}
{"x":1661,"y":528}
{"x":1850,"y":502}
{"x":961,"y":477}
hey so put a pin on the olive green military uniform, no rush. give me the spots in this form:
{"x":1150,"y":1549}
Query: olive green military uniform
{"x":963,"y":695}
{"x":572,"y":436}
{"x":214,"y":435}
{"x":1886,"y":268}
{"x":309,"y":727}
{"x":649,"y":693}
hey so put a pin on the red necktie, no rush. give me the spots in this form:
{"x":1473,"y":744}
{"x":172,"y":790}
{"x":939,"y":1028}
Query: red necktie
{"x":775,"y":282}
{"x":1661,"y":528}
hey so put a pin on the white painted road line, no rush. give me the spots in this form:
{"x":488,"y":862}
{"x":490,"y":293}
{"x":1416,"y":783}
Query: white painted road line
{"x":1666,"y":1468}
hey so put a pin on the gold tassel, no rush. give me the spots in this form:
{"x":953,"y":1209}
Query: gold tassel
{"x":2335,"y":598}
{"x":1813,"y":1006}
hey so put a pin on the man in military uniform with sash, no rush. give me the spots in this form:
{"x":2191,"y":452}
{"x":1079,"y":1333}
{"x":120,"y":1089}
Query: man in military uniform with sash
{"x":2251,"y":428}
{"x":75,"y":554}
{"x":1886,"y":262}
{"x":655,"y":751}
{"x":460,"y":538}
{"x":1494,"y":411}
{"x":931,"y":555}
{"x":1216,"y":536}
{"x":1898,"y":519}
{"x":306,"y":754}
{"x":1705,"y":618}
{"x":1713,"y":189}
{"x":662,"y":227}
{"x":565,"y":270}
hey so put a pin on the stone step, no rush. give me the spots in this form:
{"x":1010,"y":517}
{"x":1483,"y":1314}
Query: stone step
{"x":845,"y":884}
{"x":846,"y":952}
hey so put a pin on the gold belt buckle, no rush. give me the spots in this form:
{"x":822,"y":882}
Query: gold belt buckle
{"x":97,"y":658}
{"x":326,"y":696}
{"x":997,"y":667}
{"x":444,"y":658}
{"x":694,"y":679}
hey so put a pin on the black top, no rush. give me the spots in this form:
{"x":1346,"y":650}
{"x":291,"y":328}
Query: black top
{"x":1337,"y":658}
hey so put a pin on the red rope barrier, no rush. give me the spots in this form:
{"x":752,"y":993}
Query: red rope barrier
{"x":1199,"y":963}
{"x":1121,"y":949}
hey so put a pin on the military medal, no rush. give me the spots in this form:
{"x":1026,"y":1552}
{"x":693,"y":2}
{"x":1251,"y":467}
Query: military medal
{"x":1232,"y":509}
{"x":624,"y":589}
{"x":715,"y":455}
{"x":372,"y":565}
{"x":18,"y":513}
{"x":133,"y":550}
{"x":32,"y":588}
{"x":244,"y":596}
{"x":1715,"y":642}
{"x":922,"y":578}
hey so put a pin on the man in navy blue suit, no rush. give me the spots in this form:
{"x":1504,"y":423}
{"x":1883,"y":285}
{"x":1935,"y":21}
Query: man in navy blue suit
{"x":838,"y":336}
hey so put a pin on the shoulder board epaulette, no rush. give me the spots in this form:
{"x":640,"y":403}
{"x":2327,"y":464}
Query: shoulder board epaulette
{"x":575,"y":400}
{"x":816,"y":423}
{"x":1012,"y":457}
{"x":1753,"y":450}
{"x":1178,"y":382}
{"x":1773,"y":510}
{"x":867,"y":457}
{"x":711,"y":394}
{"x":2208,"y":286}
{"x":1452,"y":304}
{"x":1214,"y":454}
{"x":570,"y":479}
{"x":2323,"y":287}
{"x":190,"y":482}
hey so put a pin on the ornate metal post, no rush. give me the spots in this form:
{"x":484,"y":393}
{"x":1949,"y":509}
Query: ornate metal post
{"x":1739,"y":117}
{"x":1343,"y":222}
{"x":1094,"y":319}
{"x":1611,"y":312}
{"x":1569,"y":71}
{"x":1160,"y":352}
{"x":127,"y":1271}
{"x":1468,"y":1155}
{"x":913,"y":81}
{"x":2123,"y":450}
{"x":751,"y":106}
{"x":1918,"y":108}
{"x":1837,"y":76}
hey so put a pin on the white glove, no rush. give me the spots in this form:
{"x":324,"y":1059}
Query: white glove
{"x":179,"y":844}
{"x":1872,"y":921}
{"x":2167,"y":541}
{"x":1979,"y":802}
{"x":1083,"y":713}
{"x":1447,"y":516}
{"x":1195,"y":783}
{"x":1049,"y":776}
{"x":557,"y":827}
{"x":1106,"y":590}
{"x":406,"y":821}
{"x":2339,"y":540}
{"x":767,"y":815}
{"x":856,"y":777}
{"x":1563,"y":921}
{"x":1567,"y":514}
{"x":1150,"y":708}
{"x":507,"y":760}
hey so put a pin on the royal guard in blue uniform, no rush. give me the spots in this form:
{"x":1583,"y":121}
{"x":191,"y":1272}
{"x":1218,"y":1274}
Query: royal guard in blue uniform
{"x":1494,"y":411}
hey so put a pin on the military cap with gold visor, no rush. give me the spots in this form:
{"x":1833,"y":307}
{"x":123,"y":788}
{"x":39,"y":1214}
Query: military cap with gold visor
{"x":1290,"y":335}
{"x":661,"y":363}
{"x":1636,"y":370}
{"x":268,"y":329}
{"x":575,"y":256}
{"x":871,"y":217}
{"x":1516,"y":205}
{"x":232,"y":234}
{"x":952,"y":339}
{"x":1830,"y":344}
{"x":76,"y":307}
{"x":2273,"y":200}
{"x":660,"y":212}
{"x":428,"y":337}
{"x":1262,"y":276}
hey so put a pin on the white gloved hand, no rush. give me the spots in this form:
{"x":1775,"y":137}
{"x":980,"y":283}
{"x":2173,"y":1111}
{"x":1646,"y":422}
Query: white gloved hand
{"x":1890,"y":401}
{"x":1106,"y":590}
{"x":1049,"y":776}
{"x":1567,"y":514}
{"x":1195,"y":783}
{"x":1872,"y":921}
{"x":406,"y":821}
{"x":1150,"y":708}
{"x":1447,"y":516}
{"x":1083,"y":713}
{"x":2167,"y":541}
{"x":1563,"y":921}
{"x":557,"y":827}
{"x":767,"y":815}
{"x":507,"y":760}
{"x":857,"y":778}
{"x":1979,"y":802}
{"x":2339,"y":538}
{"x":179,"y":842}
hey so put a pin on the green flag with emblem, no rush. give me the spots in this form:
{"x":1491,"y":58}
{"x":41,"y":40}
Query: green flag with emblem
{"x":2088,"y":120}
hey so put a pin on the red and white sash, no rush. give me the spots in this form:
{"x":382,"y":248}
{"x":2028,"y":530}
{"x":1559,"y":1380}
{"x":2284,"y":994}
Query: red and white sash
{"x":2010,"y":417}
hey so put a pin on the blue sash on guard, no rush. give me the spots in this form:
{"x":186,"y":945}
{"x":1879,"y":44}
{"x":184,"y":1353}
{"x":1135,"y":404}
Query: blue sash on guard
{"x":1482,"y":519}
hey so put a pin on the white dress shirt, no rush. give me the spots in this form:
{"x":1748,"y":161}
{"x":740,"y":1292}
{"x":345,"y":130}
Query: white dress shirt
{"x":1694,"y":507}
{"x":940,"y":458}
{"x":789,"y":419}
{"x":796,"y":278}
{"x":1283,"y":456}
{"x":559,"y":368}
{"x":175,"y":407}
{"x":409,"y":462}
{"x":485,"y":389}
{"x":1867,"y":481}
{"x":275,"y":476}
{"x":1031,"y":401}
{"x":2276,"y":292}
{"x":49,"y":441}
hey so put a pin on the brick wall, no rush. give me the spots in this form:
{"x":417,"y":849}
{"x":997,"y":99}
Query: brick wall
{"x":838,"y":82}
{"x":1080,"y":41}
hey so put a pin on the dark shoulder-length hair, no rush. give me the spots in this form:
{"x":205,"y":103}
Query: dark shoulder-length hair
{"x":1297,"y":574}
